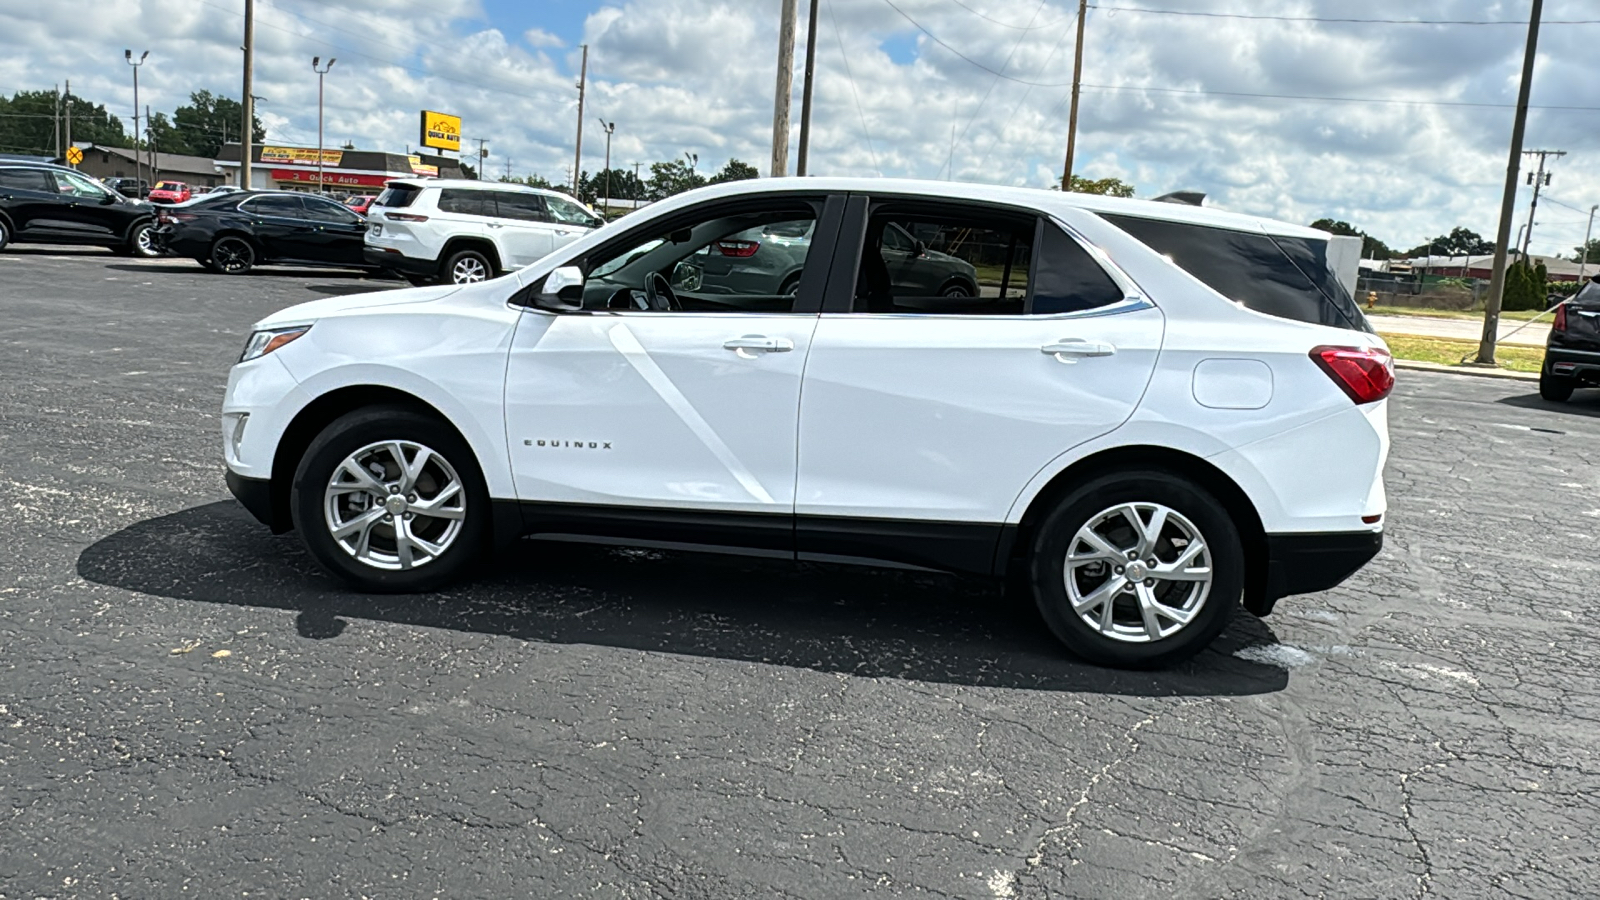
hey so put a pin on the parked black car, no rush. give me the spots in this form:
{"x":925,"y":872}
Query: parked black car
{"x":233,"y":232}
{"x":136,"y":188}
{"x":1572,"y":352}
{"x":46,"y":204}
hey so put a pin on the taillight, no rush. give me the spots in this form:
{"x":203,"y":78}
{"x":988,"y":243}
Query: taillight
{"x":739,"y":249}
{"x":1364,"y":373}
{"x":404,"y":217}
{"x":167,"y":218}
{"x":1560,"y":323}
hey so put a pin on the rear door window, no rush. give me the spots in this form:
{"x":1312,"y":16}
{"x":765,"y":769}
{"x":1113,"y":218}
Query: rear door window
{"x":467,"y":202}
{"x":282,"y":206}
{"x":26,"y":180}
{"x":1279,"y":276}
{"x":937,"y":259}
{"x":521,"y":206}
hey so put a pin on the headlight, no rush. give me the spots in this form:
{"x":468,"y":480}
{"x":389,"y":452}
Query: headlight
{"x":263,"y":342}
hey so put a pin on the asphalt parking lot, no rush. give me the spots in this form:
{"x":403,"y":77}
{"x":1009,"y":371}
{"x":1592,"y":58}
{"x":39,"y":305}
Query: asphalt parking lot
{"x":188,"y":707}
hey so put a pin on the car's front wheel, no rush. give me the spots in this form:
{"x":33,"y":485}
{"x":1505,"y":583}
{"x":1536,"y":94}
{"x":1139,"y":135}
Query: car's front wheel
{"x":5,"y":234}
{"x":1556,"y":388}
{"x":1137,"y":569}
{"x":391,"y":500}
{"x":141,"y":243}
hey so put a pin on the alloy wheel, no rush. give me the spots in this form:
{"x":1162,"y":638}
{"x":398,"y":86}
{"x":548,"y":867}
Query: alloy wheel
{"x":144,"y":243}
{"x":232,"y":255}
{"x":468,"y":270}
{"x":395,"y":505}
{"x":1138,"y":572}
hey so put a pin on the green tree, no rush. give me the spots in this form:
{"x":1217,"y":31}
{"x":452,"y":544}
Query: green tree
{"x":27,"y":123}
{"x":1371,"y":247}
{"x":1587,"y":253}
{"x":672,"y":177}
{"x":735,"y":171}
{"x":1109,"y":187}
{"x":211,"y":120}
{"x":624,"y":185}
{"x":1459,"y":242}
{"x":165,"y":138}
{"x":537,"y":181}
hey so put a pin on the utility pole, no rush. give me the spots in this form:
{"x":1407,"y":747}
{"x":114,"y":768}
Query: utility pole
{"x":58,"y":123}
{"x":1538,"y":180}
{"x":137,"y":164}
{"x":1583,"y":255}
{"x":150,"y":146}
{"x":780,"y":96}
{"x":508,"y":168}
{"x":321,"y":187}
{"x":482,"y":155}
{"x":1508,"y":201}
{"x":69,"y":119}
{"x":1072,"y":117}
{"x":608,"y":128}
{"x":247,"y":131}
{"x":800,"y":167}
{"x":577,"y":156}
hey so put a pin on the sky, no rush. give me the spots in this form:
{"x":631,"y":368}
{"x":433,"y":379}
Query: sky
{"x":1400,"y":129}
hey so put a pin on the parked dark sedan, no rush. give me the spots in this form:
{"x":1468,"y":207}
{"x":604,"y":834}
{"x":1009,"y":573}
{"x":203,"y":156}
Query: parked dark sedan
{"x":1572,"y":352}
{"x":46,"y":204}
{"x":234,"y":232}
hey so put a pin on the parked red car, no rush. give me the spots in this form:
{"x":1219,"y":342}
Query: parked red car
{"x":360,"y":203}
{"x":170,"y":192}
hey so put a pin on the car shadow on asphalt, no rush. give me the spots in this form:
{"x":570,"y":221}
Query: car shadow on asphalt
{"x":190,"y":267}
{"x":1584,"y":402}
{"x":875,"y":623}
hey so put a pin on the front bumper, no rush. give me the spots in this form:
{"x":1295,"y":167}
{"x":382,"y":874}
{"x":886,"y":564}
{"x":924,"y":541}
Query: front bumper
{"x":1306,"y":563}
{"x":255,"y":494}
{"x":395,"y":260}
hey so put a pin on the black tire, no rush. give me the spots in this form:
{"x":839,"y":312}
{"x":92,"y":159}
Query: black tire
{"x":231,"y":255}
{"x":955,"y":287}
{"x":141,"y":242}
{"x":360,"y":429}
{"x":5,"y":233}
{"x":1556,"y":388}
{"x":790,"y":286}
{"x":1059,"y":530}
{"x":458,"y":267}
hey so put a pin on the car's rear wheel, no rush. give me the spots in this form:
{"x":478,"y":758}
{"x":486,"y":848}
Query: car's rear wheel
{"x":232,"y":255}
{"x":468,"y":267}
{"x":390,"y":500}
{"x":1556,"y":388}
{"x":956,"y":289}
{"x":1137,"y":569}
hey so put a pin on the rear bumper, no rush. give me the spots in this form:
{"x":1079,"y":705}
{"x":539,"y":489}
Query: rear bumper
{"x":255,"y":494}
{"x":384,"y":258}
{"x":1583,"y":364}
{"x":1306,"y":563}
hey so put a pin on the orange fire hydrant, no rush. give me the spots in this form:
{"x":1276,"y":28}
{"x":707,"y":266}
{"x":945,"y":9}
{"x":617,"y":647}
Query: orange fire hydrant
{"x":1372,"y":299}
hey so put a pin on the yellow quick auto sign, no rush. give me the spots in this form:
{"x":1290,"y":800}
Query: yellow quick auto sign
{"x":302,"y":156}
{"x":441,"y":130}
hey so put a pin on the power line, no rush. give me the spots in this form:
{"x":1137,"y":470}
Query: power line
{"x":1382,"y":100}
{"x":845,"y":57}
{"x":1029,"y":27}
{"x":978,"y":109}
{"x":998,"y":135}
{"x":1255,"y":16}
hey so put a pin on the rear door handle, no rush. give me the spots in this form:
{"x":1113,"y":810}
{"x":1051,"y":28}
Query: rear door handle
{"x":1073,"y":349}
{"x":497,"y":224}
{"x":745,"y":346}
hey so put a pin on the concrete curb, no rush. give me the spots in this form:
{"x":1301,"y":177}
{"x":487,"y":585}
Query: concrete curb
{"x":1417,"y":366}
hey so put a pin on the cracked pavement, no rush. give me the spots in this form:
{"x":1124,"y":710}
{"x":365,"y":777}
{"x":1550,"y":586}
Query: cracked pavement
{"x":586,"y":722}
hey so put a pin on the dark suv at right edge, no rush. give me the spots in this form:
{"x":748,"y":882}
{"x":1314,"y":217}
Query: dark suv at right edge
{"x":1572,"y":353}
{"x":45,"y":204}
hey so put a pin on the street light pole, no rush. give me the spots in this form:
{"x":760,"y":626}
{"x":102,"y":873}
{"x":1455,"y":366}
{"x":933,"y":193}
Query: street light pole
{"x":320,"y":72}
{"x":247,"y":129}
{"x":138,"y":167}
{"x":608,"y":128}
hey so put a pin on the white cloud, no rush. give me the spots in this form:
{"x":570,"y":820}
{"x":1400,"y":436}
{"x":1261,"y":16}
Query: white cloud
{"x":697,"y":76}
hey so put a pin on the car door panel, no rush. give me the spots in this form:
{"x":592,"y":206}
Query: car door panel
{"x":656,"y":410}
{"x":276,"y":223}
{"x":34,"y":204}
{"x":521,"y":228}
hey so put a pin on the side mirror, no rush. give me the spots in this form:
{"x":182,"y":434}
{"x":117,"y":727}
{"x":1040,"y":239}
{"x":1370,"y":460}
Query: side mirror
{"x":107,"y":199}
{"x":562,"y":291}
{"x":919,"y":249}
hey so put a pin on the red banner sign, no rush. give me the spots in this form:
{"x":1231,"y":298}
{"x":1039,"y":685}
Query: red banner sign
{"x":340,"y":179}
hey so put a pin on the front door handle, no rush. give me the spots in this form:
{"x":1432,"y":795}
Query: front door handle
{"x":1073,"y":349}
{"x":748,"y":345}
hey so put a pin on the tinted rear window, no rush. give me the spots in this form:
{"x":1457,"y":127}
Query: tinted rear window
{"x":396,"y":196}
{"x":26,"y":179}
{"x":467,"y":201}
{"x":1279,"y":276}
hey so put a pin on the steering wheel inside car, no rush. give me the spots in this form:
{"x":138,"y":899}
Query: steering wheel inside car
{"x":659,"y":290}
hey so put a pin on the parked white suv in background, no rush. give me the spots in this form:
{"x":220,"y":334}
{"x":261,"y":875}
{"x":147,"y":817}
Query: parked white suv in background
{"x":460,"y":232}
{"x":1147,"y":412}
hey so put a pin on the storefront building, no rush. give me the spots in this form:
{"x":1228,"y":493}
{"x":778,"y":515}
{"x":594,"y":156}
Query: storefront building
{"x":278,"y":167}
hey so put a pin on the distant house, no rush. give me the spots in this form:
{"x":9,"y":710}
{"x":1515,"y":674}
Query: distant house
{"x":119,"y":162}
{"x":1558,"y":269}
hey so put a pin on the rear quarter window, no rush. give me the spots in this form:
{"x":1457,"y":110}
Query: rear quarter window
{"x":1279,"y":276}
{"x":397,"y":196}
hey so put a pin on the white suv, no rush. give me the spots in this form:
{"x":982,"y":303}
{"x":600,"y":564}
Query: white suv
{"x":1147,"y":412}
{"x":461,"y":232}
